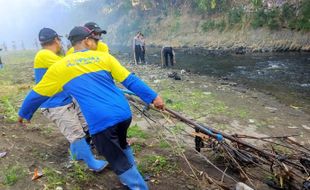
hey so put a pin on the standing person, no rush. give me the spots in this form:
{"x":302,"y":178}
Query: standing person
{"x":136,"y":46}
{"x":103,"y":104}
{"x":167,"y":52}
{"x":97,"y":31}
{"x":142,"y":46}
{"x":60,"y":108}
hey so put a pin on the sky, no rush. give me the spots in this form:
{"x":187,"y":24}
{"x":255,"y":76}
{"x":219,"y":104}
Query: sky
{"x":21,"y":20}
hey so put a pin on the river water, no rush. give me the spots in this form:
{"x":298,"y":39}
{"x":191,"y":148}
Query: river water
{"x":286,"y":76}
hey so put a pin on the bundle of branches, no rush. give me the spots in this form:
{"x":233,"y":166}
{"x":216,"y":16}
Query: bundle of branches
{"x":281,"y":162}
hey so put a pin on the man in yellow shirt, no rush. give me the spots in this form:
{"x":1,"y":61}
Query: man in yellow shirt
{"x":97,"y":31}
{"x":89,"y":76}
{"x":60,"y":108}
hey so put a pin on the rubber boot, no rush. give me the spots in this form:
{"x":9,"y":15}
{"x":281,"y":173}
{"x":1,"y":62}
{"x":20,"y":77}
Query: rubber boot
{"x":133,"y":179}
{"x":129,"y":154}
{"x":80,"y":150}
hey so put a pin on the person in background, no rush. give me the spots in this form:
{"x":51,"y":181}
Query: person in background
{"x":97,"y":31}
{"x":167,"y":53}
{"x":89,"y":76}
{"x":60,"y":108}
{"x":136,"y":46}
{"x":142,"y":46}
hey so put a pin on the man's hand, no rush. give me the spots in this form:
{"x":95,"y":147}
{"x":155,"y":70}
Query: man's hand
{"x":21,"y":122}
{"x":159,"y":103}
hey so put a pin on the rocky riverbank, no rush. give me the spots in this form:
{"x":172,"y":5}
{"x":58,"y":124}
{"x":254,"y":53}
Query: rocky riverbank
{"x":238,"y":41}
{"x":225,"y":105}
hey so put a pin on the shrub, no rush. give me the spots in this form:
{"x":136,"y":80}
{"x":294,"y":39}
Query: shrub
{"x":213,"y":25}
{"x":273,"y":19}
{"x":235,"y":15}
{"x":208,"y":25}
{"x":259,"y":18}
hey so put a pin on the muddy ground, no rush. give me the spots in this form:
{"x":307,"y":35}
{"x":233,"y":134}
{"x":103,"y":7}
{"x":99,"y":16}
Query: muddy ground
{"x":163,"y":147}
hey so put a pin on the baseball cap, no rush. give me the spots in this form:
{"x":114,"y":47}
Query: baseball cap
{"x":79,"y":33}
{"x":95,"y":27}
{"x":47,"y":35}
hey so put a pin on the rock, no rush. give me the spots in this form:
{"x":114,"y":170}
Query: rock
{"x":190,"y":187}
{"x":59,"y":188}
{"x":242,"y":186}
{"x":271,"y":109}
{"x":251,"y":121}
{"x":305,"y":127}
{"x":156,"y":81}
{"x":207,"y":93}
{"x":271,"y":126}
{"x":292,"y":127}
{"x":2,"y":154}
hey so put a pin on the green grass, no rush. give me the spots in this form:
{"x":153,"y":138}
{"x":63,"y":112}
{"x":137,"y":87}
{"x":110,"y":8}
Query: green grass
{"x":78,"y":173}
{"x":163,"y":144}
{"x":8,"y":109}
{"x":235,"y":16}
{"x":53,"y":178}
{"x":135,"y":131}
{"x":12,"y":174}
{"x":156,"y":164}
{"x":137,"y":147}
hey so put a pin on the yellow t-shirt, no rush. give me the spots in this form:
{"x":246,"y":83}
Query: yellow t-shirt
{"x":45,"y":58}
{"x":100,"y":47}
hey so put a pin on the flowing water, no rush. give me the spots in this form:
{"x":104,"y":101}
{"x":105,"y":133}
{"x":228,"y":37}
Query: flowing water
{"x":283,"y":75}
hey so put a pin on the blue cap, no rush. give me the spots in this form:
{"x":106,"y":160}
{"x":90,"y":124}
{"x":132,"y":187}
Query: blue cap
{"x":79,"y":33}
{"x":47,"y":35}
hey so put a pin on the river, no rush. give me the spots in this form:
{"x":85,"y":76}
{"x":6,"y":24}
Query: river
{"x":285,"y":76}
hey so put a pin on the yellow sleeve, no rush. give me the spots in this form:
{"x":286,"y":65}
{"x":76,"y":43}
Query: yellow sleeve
{"x":50,"y":84}
{"x":119,"y":73}
{"x":102,"y":47}
{"x":70,"y":51}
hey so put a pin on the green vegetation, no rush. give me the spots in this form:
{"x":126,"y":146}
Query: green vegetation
{"x":163,"y":144}
{"x":12,"y":174}
{"x":155,"y":164}
{"x":210,"y":6}
{"x":8,"y":109}
{"x":214,"y":25}
{"x":287,"y":16}
{"x":135,"y":131}
{"x":53,"y":178}
{"x":78,"y":173}
{"x":235,"y":16}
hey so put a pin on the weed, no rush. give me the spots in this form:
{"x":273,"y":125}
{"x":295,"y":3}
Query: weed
{"x":257,"y":3}
{"x":243,"y":114}
{"x":235,"y":16}
{"x":175,"y":25}
{"x":78,"y":173}
{"x":273,"y":19}
{"x":8,"y":109}
{"x":259,"y":18}
{"x":222,"y":126}
{"x":12,"y":174}
{"x":213,"y":25}
{"x":155,"y":164}
{"x":178,"y":128}
{"x":54,"y":179}
{"x":137,"y":147}
{"x":135,"y":131}
{"x":163,"y":144}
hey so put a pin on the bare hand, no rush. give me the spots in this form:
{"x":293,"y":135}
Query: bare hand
{"x":159,"y":103}
{"x":21,"y":122}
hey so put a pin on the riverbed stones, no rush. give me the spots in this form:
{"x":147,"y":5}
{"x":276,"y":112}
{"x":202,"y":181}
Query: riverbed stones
{"x":271,"y":109}
{"x":305,"y":127}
